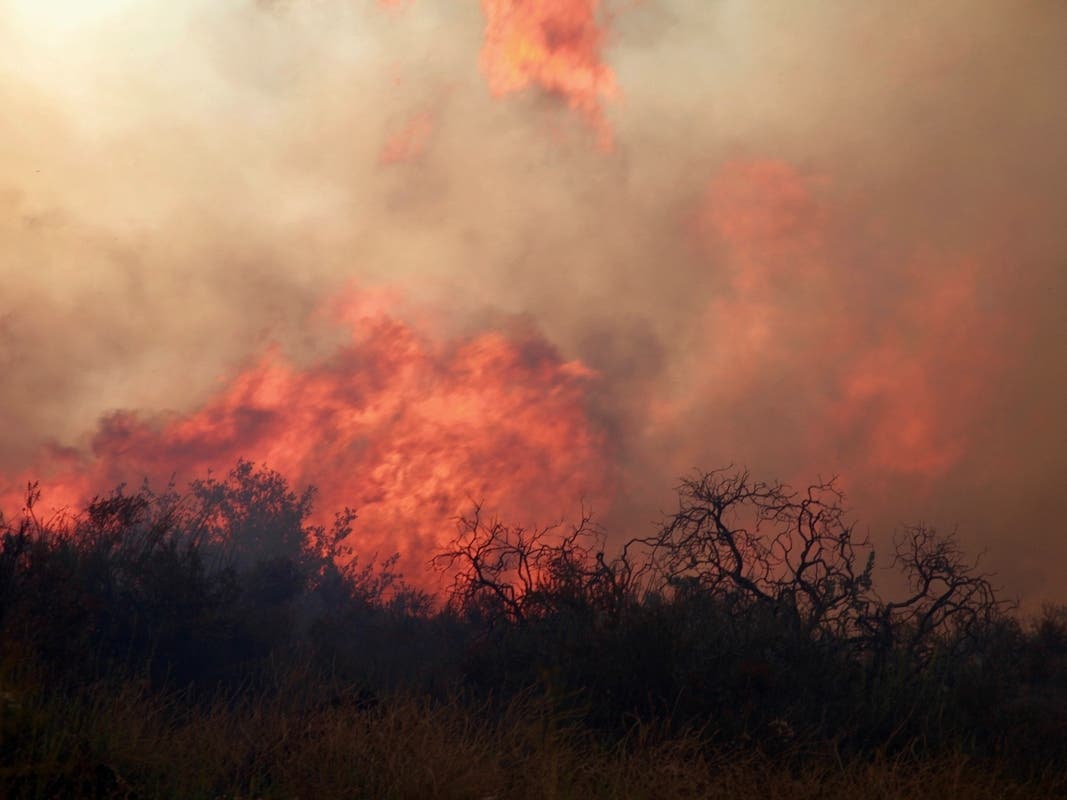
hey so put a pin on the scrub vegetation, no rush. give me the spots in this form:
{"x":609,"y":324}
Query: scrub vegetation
{"x":212,"y":643}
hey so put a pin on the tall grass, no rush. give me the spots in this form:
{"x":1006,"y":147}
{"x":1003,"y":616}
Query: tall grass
{"x":314,"y":738}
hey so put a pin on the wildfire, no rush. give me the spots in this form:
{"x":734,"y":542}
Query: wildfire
{"x":783,"y":317}
{"x":406,"y":430}
{"x":553,"y":44}
{"x":917,"y":386}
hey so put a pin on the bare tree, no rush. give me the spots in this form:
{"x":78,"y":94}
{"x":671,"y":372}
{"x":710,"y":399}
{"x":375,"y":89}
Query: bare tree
{"x":748,"y":543}
{"x":520,"y":573}
{"x":753,"y":542}
{"x":950,"y":601}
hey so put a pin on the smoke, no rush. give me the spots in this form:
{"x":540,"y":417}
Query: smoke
{"x":825,"y":240}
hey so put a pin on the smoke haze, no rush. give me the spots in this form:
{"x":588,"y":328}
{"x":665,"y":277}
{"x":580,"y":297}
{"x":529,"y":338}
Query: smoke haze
{"x":446,"y":250}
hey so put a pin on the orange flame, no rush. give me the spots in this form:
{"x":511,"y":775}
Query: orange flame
{"x":553,"y":44}
{"x":405,"y":430}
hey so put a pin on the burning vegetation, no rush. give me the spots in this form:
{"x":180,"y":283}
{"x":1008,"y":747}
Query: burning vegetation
{"x":403,"y":428}
{"x":340,"y":379}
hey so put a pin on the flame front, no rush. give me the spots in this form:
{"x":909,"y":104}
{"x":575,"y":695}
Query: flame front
{"x":405,"y":430}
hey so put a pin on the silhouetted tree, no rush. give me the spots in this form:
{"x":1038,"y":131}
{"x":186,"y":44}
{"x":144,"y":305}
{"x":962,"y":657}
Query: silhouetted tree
{"x":755,"y":543}
{"x":517,"y":573}
{"x":950,"y":603}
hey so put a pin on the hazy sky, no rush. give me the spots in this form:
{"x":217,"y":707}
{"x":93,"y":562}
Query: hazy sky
{"x":443,"y":248}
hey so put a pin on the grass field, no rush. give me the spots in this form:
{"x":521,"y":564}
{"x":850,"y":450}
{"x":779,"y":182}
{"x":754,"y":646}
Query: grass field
{"x":212,"y":646}
{"x":314,"y":740}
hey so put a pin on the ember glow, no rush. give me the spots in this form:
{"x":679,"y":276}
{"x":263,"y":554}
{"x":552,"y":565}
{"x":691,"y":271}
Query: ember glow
{"x":540,"y":254}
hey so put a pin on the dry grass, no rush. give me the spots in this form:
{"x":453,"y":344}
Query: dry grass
{"x":122,"y":741}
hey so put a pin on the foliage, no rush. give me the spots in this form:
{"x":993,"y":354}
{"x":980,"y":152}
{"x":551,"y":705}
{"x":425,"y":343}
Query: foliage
{"x":748,"y":625}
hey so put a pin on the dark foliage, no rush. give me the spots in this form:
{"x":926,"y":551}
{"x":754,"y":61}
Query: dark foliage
{"x":196,"y":589}
{"x":751,"y":614}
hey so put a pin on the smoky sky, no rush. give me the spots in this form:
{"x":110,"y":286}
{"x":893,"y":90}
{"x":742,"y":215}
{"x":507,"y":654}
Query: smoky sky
{"x":826,"y":238}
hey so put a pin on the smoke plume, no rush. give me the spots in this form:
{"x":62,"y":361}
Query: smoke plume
{"x":540,"y":255}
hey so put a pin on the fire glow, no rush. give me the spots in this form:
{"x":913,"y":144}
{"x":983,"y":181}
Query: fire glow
{"x":767,"y":215}
{"x":759,"y":258}
{"x":555,"y":45}
{"x":407,"y":431}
